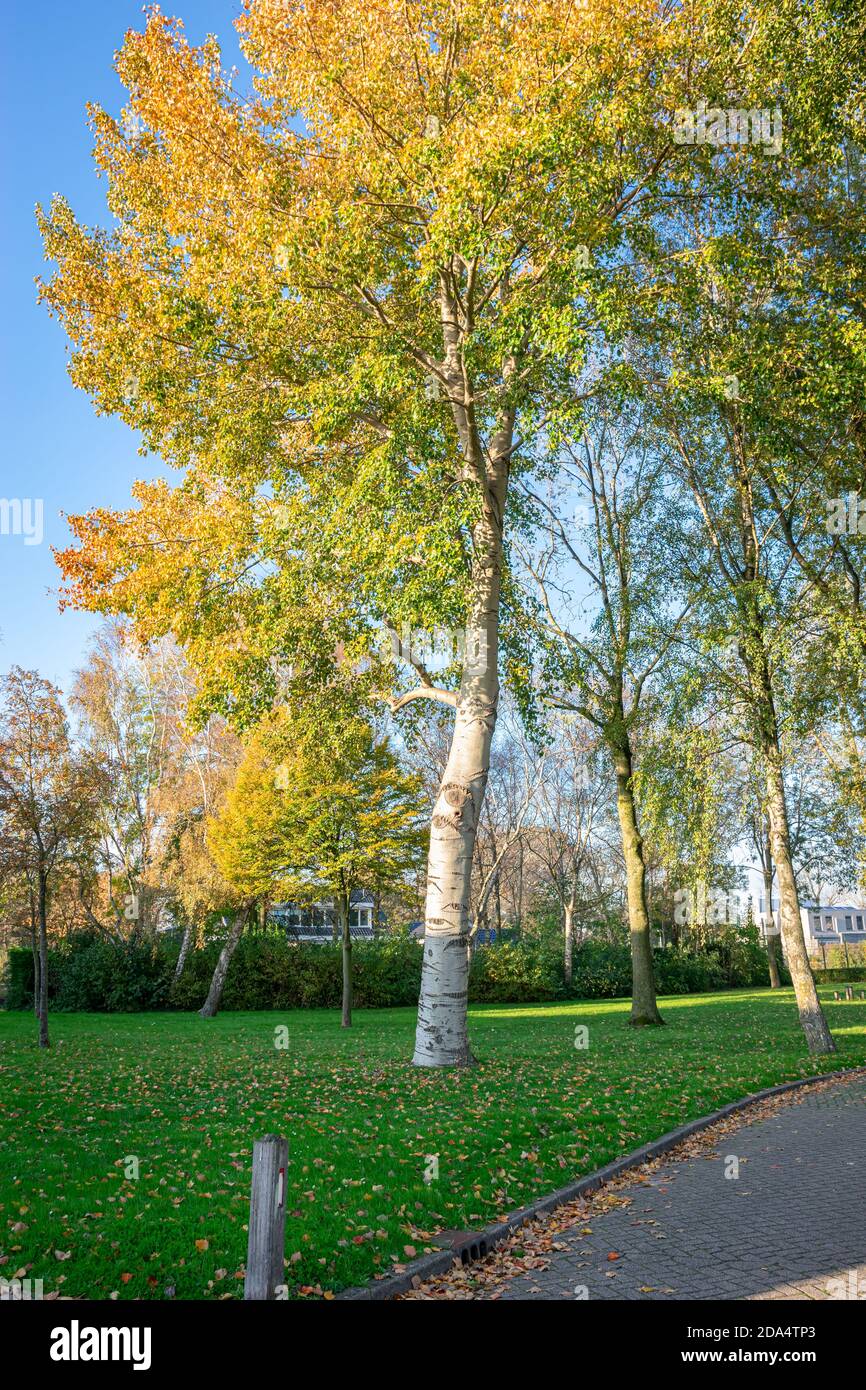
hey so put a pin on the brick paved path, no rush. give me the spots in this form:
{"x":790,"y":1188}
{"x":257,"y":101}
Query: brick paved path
{"x":792,"y":1222}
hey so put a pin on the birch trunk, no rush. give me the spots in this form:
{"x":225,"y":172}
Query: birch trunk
{"x":772,"y":938}
{"x":755,"y":662}
{"x":184,"y":951}
{"x":346,"y":937}
{"x":644,"y":1010}
{"x":43,"y":958}
{"x":34,"y":946}
{"x":569,"y":941}
{"x":214,"y":994}
{"x":441,"y":1038}
{"x":812,"y":1020}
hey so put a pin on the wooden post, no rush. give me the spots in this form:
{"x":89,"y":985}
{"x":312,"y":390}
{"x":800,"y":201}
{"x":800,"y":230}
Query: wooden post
{"x":267,"y":1218}
{"x":849,"y":991}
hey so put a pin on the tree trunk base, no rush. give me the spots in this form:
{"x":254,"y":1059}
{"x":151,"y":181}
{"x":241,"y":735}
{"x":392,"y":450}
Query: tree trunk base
{"x":649,"y":1020}
{"x":819,"y":1039}
{"x":455,"y":1063}
{"x":441,"y":1038}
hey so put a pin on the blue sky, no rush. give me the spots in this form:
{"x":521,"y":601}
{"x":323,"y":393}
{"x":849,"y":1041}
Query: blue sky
{"x":55,"y":57}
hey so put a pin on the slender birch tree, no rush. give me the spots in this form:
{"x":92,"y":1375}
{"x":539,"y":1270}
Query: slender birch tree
{"x":748,"y":604}
{"x":608,"y":619}
{"x":575,"y":800}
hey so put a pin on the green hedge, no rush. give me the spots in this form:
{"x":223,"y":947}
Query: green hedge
{"x":17,"y":985}
{"x":269,"y":972}
{"x":94,"y":976}
{"x":840,"y":975}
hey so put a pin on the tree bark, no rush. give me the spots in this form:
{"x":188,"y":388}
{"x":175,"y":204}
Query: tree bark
{"x":812,"y":1020}
{"x":43,"y":957}
{"x":755,"y":663}
{"x":34,"y":946}
{"x":441,"y":1038}
{"x":772,"y":938}
{"x":644,"y":1010}
{"x":753,"y":655}
{"x":346,"y":937}
{"x":519,"y":922}
{"x":214,"y":994}
{"x":569,"y":941}
{"x":184,"y":950}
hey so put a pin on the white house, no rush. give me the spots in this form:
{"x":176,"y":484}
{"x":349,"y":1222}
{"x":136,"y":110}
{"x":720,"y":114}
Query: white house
{"x":317,"y":922}
{"x":835,"y":924}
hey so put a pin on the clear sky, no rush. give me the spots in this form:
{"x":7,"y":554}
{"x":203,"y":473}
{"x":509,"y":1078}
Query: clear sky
{"x":56,"y":55}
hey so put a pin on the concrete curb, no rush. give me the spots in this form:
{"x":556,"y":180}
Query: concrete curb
{"x":474,"y":1245}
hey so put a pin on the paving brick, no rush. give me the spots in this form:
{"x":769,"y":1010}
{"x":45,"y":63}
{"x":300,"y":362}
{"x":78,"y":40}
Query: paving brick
{"x":793,"y":1221}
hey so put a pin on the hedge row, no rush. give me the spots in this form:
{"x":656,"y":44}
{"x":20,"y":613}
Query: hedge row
{"x":840,"y":975}
{"x":269,"y":972}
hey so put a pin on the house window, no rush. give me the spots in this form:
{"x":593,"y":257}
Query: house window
{"x":849,"y":924}
{"x":859,"y":923}
{"x":828,"y":923}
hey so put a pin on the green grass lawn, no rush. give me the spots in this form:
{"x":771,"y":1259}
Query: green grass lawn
{"x":187,"y":1098}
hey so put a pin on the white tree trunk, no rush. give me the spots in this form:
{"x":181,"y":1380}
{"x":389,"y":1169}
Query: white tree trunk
{"x":441,"y":1038}
{"x":569,"y":941}
{"x":818,"y":1036}
{"x":212,"y":1003}
{"x":184,"y":950}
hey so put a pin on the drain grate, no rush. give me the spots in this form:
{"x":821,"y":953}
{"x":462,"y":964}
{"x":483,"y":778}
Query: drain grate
{"x":474,"y":1251}
{"x":467,"y":1245}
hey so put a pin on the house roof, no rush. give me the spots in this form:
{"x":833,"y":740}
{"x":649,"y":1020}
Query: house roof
{"x":359,"y":897}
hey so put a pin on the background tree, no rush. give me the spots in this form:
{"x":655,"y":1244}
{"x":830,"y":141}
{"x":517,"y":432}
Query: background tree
{"x":574,"y":800}
{"x":762,"y":846}
{"x":749,"y":605}
{"x":46,"y":800}
{"x":125,"y":730}
{"x":309,"y":816}
{"x":603,"y":538}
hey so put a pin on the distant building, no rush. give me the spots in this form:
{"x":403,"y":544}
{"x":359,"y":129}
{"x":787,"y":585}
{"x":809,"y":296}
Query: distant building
{"x":317,"y":922}
{"x":837,"y":924}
